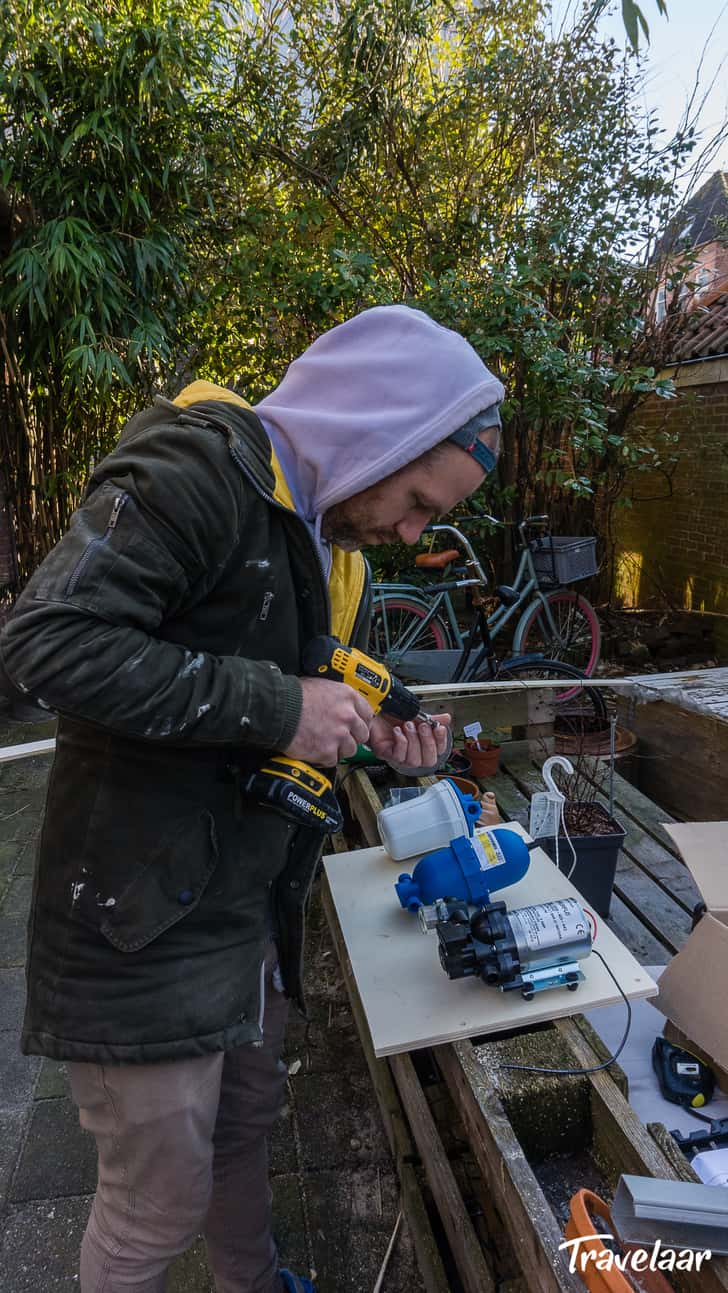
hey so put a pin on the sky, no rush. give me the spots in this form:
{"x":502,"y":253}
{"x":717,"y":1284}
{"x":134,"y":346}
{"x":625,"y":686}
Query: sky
{"x":673,"y":56}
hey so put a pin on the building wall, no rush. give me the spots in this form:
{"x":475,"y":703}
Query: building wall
{"x":671,"y":545}
{"x":708,"y":273}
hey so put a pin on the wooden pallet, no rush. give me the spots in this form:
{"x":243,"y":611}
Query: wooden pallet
{"x":472,"y":1158}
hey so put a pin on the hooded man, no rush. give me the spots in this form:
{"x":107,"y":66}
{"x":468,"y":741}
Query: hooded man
{"x":166,"y":630}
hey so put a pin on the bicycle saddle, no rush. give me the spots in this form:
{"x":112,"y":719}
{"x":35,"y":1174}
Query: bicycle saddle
{"x":508,"y":595}
{"x":436,"y":560}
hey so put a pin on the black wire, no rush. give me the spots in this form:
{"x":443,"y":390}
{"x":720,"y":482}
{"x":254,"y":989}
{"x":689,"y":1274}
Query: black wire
{"x":596,"y":1068}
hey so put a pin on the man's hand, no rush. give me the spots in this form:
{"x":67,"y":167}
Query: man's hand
{"x":334,"y":720}
{"x":409,"y":745}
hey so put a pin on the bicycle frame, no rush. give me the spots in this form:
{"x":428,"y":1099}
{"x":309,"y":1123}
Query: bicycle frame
{"x":525,"y":584}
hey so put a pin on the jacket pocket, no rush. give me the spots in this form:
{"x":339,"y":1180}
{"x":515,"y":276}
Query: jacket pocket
{"x":168,"y":888}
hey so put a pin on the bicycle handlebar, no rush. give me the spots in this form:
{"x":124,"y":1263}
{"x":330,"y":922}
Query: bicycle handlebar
{"x":478,"y":516}
{"x":465,"y":543}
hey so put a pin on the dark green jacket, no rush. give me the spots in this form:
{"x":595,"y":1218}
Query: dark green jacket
{"x":166,"y":629}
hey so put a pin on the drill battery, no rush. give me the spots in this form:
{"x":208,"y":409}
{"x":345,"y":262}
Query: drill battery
{"x":301,"y":792}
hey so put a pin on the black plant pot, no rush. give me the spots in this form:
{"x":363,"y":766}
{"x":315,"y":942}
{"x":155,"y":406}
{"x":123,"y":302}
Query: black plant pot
{"x":596,"y":860}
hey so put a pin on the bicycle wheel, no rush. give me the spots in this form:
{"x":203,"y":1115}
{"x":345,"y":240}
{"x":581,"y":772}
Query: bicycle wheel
{"x":578,"y":637}
{"x":579,"y":711}
{"x":395,"y":626}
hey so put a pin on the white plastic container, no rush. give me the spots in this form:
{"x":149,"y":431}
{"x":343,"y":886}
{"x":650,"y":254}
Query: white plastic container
{"x":711,"y":1166}
{"x":429,"y":822}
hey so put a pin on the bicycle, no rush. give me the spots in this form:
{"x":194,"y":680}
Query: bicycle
{"x":416,"y":632}
{"x":555,"y":621}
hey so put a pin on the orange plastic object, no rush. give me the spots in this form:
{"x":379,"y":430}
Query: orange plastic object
{"x":437,"y":560}
{"x":584,"y":1207}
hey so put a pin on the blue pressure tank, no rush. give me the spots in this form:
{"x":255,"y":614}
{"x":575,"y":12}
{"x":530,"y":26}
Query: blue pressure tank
{"x":468,"y":870}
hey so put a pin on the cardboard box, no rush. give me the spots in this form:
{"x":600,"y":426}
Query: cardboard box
{"x":694,"y":986}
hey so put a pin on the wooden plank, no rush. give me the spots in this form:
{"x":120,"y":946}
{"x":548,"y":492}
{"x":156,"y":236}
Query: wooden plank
{"x":519,"y":684}
{"x":512,"y":803}
{"x":668,"y":922}
{"x":532,"y":1228}
{"x":27,"y":751}
{"x":684,"y":764}
{"x":400,"y":1142}
{"x":498,"y":711}
{"x":364,"y":802}
{"x":630,"y":930}
{"x":466,"y":1250}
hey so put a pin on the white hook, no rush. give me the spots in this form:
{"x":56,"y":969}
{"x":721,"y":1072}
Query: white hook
{"x":556,"y":760}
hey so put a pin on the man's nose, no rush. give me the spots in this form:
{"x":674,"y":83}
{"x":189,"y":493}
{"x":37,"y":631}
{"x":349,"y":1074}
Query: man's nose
{"x":410,"y":529}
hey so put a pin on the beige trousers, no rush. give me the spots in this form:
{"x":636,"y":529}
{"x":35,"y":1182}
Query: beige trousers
{"x":183,"y":1148}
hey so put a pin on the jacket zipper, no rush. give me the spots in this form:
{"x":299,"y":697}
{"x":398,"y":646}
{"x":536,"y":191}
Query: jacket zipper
{"x":268,"y":498}
{"x":91,"y":547}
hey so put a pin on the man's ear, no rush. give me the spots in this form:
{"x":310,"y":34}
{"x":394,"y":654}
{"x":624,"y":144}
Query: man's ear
{"x":491,"y":436}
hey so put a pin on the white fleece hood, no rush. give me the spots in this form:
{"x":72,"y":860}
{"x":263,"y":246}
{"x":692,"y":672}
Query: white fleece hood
{"x":368,"y":397}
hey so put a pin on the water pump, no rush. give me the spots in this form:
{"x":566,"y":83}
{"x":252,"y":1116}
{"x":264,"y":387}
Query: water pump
{"x":531,"y":949}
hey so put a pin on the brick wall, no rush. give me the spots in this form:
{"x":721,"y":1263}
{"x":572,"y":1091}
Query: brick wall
{"x":672,"y":547}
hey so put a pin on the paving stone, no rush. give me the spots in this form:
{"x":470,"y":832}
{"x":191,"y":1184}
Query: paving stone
{"x":16,"y":900}
{"x":289,"y":1226}
{"x":9,"y":854}
{"x":282,"y":1151}
{"x":27,"y":850}
{"x":41,"y":1245}
{"x":12,"y":999}
{"x":12,"y":1128}
{"x":17,"y":1074}
{"x":191,"y":1273}
{"x":53,"y":1080}
{"x":42,"y":1242}
{"x":328,"y":1043}
{"x":12,"y":941}
{"x":351,"y":1216}
{"x":338,"y":1121}
{"x":58,"y":1158}
{"x":19,"y":816}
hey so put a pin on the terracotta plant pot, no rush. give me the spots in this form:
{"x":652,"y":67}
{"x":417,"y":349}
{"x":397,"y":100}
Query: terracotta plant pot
{"x":484,"y":761}
{"x":463,"y":784}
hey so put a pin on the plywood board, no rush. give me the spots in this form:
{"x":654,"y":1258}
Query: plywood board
{"x":408,"y":999}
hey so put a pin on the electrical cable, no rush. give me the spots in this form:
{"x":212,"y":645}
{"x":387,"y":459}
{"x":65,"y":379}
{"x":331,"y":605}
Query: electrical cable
{"x":568,"y":837}
{"x":595,"y":1068}
{"x":591,"y":917}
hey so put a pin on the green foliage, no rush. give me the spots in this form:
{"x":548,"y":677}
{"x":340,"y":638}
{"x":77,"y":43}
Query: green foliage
{"x":107,"y":120}
{"x":633,"y":18}
{"x":196,"y":190}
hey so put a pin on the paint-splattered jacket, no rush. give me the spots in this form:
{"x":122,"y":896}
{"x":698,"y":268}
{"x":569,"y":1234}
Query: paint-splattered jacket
{"x":166,"y":629}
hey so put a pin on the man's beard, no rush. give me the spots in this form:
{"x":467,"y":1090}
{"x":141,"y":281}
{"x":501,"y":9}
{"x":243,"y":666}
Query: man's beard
{"x":348,"y":529}
{"x":336,"y":527}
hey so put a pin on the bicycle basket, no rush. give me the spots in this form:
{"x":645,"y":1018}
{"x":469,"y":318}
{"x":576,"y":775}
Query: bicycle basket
{"x":560,"y":559}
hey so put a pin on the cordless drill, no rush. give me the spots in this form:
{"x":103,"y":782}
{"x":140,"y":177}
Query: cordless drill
{"x":301,"y":792}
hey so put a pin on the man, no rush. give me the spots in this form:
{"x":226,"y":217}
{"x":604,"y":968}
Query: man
{"x":166,"y":629}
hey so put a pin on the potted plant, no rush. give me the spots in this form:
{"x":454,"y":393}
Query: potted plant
{"x":483,"y":749}
{"x":589,"y":838}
